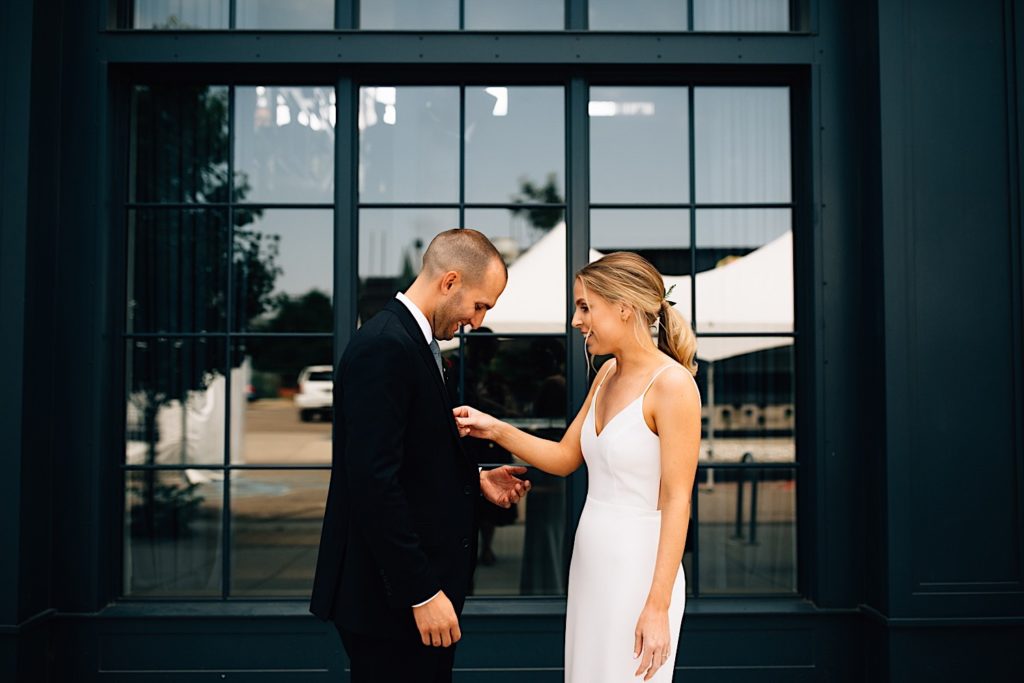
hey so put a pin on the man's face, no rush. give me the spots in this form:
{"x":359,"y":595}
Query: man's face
{"x":467,"y":303}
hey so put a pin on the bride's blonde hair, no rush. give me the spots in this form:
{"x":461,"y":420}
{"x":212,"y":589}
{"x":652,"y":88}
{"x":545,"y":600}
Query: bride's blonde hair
{"x":629,"y":279}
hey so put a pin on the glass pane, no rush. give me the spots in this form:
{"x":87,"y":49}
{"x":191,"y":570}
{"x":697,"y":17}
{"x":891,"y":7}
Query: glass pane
{"x":747,"y":390}
{"x":409,"y":144}
{"x":180,"y":15}
{"x":284,"y":144}
{"x":742,"y":144}
{"x":172,"y":539}
{"x":741,"y":15}
{"x":518,"y":379}
{"x":275,"y":530}
{"x":522,"y":15}
{"x":748,"y":531}
{"x":522,"y":550}
{"x":639,"y":145}
{"x":179,"y":144}
{"x":515,"y":144}
{"x":176,"y":391}
{"x":283,"y":416}
{"x":532,"y":242}
{"x":284,"y":270}
{"x":745,"y":270}
{"x":662,"y":236}
{"x":639,"y":15}
{"x":285,"y":14}
{"x":176,"y":270}
{"x":391,"y":246}
{"x":409,"y":14}
{"x":522,"y":381}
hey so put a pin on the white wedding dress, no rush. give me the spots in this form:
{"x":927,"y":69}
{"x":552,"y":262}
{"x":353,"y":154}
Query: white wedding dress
{"x":616,"y":547}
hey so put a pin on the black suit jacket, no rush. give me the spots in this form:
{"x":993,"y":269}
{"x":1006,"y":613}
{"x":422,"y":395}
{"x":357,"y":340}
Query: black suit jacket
{"x":399,"y":523}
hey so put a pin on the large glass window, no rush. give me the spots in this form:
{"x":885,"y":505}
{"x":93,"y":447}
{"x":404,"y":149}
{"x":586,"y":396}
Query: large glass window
{"x":228,"y":348}
{"x":697,"y":180}
{"x":228,"y":310}
{"x":490,"y":158}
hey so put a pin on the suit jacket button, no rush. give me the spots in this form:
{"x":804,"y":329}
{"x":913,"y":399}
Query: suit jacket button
{"x":465,"y":543}
{"x":468,"y":490}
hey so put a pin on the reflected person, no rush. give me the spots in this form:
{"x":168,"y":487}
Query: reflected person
{"x":398,"y":543}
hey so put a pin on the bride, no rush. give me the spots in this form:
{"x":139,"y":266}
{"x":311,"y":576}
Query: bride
{"x":639,"y":433}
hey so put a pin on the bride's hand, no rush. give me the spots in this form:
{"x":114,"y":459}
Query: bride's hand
{"x":472,"y":422}
{"x":651,"y":644}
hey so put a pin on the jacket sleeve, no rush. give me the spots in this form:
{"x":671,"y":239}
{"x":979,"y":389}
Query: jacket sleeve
{"x":375,"y":404}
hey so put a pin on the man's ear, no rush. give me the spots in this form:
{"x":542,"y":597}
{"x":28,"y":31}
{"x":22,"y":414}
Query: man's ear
{"x":450,"y":279}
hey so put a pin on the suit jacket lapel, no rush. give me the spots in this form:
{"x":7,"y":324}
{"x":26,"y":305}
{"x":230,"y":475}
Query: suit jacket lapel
{"x":416,"y":336}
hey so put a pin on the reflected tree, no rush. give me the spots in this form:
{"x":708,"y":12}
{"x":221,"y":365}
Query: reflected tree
{"x":180,"y":151}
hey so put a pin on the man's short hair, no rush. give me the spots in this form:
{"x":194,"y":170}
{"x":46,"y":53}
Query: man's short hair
{"x":464,"y":250}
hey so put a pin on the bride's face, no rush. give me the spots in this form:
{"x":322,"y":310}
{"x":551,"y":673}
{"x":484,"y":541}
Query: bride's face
{"x":598,"y":320}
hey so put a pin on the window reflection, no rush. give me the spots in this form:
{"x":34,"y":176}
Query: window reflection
{"x":523,"y":15}
{"x":284,"y":270}
{"x":742,"y":144}
{"x":176,"y":392}
{"x":391,"y":246}
{"x":748,"y":532}
{"x":177,"y":270}
{"x":179,"y":144}
{"x":409,"y":14}
{"x":408,"y":144}
{"x":283,"y":415}
{"x":284,"y":14}
{"x":284,"y":144}
{"x":515,"y":144}
{"x":172,"y":539}
{"x":745,"y":270}
{"x":522,"y":381}
{"x":275,"y":530}
{"x":639,"y":145}
{"x":741,"y":15}
{"x":181,"y":14}
{"x":747,"y":390}
{"x":639,"y":15}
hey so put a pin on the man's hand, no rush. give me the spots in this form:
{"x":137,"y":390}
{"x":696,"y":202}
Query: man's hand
{"x":437,"y":623}
{"x":500,"y":487}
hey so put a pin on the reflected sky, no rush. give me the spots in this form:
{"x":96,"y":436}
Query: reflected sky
{"x":522,"y":15}
{"x":284,"y":144}
{"x":513,"y":134}
{"x":285,"y":14}
{"x":409,"y":14}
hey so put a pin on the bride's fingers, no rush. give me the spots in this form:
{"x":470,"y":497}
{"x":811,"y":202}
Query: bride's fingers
{"x":638,"y":644}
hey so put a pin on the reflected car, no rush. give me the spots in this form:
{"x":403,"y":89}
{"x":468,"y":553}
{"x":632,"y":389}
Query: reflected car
{"x":315,"y":396}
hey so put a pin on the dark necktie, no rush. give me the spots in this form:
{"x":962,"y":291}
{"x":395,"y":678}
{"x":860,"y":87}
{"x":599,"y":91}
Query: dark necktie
{"x":436,"y":350}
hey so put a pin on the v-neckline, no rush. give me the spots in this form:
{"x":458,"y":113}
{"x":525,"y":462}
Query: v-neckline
{"x":599,"y":434}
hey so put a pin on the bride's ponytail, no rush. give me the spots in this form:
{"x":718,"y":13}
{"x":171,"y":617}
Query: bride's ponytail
{"x":675,"y":338}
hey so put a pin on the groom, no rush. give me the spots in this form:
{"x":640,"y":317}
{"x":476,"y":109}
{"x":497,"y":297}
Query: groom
{"x":399,"y":537}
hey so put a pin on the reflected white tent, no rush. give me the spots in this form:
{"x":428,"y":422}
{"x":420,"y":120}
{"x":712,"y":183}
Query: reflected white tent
{"x":750,"y":294}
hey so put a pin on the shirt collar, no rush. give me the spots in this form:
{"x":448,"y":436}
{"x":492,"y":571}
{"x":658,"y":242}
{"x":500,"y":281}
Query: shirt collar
{"x":421,"y":320}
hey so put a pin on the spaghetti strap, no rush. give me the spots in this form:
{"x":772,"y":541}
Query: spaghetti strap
{"x":655,"y":376}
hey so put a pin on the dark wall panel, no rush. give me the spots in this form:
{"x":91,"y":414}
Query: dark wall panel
{"x":953,"y":455}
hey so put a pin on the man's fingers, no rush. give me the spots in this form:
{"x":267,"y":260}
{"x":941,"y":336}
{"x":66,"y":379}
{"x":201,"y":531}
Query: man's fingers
{"x":425,"y":637}
{"x":446,"y":638}
{"x":515,"y":469}
{"x":456,"y":634}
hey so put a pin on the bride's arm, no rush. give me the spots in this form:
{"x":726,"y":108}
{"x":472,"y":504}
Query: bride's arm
{"x":676,"y":412}
{"x":561,"y":458}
